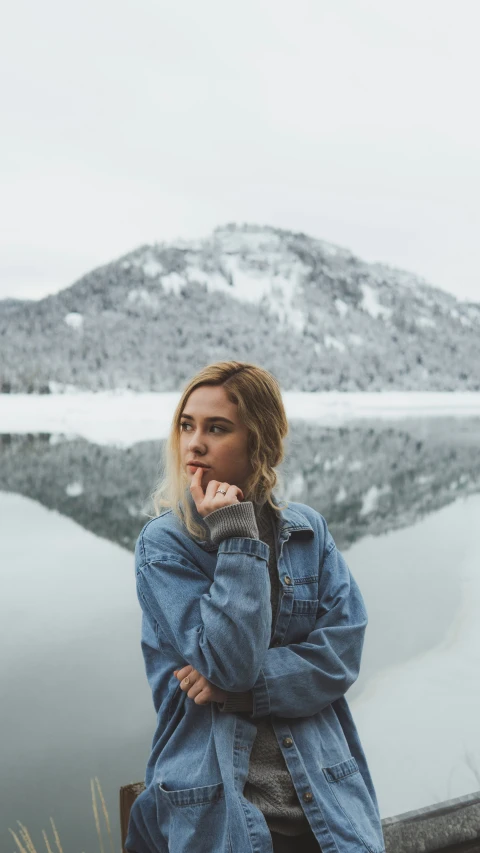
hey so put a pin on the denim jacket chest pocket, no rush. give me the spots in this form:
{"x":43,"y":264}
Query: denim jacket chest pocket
{"x":303,"y":614}
{"x":300,"y":589}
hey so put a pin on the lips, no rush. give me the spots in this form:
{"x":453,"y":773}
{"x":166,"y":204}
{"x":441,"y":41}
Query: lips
{"x":198,"y":465}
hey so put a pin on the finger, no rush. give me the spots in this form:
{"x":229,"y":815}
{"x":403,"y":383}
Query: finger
{"x":204,"y":697}
{"x":212,"y":487}
{"x":196,"y":489}
{"x":181,"y":673}
{"x":220,"y":498}
{"x":186,"y":686}
{"x":188,"y":680}
{"x":184,"y":670}
{"x":197,"y":688}
{"x":234,"y":492}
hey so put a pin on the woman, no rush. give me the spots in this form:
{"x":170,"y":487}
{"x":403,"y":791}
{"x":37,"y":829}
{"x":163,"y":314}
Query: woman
{"x":252,"y":632}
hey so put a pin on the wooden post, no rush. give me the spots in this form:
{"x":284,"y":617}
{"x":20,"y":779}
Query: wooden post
{"x":128,"y":795}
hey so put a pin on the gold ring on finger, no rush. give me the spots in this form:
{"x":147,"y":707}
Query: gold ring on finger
{"x":186,"y":681}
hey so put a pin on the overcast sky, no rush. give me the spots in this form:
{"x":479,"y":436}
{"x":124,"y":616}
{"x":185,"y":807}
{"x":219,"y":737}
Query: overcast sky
{"x":355,"y":121}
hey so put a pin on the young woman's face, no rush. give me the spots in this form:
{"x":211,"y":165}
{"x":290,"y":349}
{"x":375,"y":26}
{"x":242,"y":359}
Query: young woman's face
{"x":211,"y":433}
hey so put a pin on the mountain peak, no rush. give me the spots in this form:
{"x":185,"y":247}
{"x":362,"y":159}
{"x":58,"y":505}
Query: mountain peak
{"x":315,"y":314}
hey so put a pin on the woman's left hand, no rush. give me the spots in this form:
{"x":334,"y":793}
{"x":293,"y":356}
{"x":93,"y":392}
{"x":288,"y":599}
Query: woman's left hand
{"x":197,"y":687}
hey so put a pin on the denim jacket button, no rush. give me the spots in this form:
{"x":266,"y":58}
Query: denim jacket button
{"x":308,"y":797}
{"x":287,"y":580}
{"x":287,"y":741}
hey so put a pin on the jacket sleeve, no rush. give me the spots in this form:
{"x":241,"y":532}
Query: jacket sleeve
{"x":301,"y":679}
{"x":221,"y":628}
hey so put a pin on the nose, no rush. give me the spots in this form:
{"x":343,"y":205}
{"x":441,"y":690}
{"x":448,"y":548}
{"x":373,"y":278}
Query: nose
{"x":195,"y":445}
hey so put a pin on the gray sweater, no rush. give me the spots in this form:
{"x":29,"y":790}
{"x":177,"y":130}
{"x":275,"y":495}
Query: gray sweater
{"x":269,"y":785}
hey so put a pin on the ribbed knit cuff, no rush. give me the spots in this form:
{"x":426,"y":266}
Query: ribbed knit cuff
{"x":237,"y":701}
{"x":233,"y":520}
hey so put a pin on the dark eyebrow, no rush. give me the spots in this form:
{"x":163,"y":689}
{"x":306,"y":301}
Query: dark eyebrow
{"x":190,"y":418}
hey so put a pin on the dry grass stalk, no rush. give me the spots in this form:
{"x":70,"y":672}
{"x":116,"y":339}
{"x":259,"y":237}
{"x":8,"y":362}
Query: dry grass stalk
{"x":105,"y":813}
{"x":20,"y":846}
{"x":26,"y":837}
{"x":95,"y":813}
{"x":47,"y":843}
{"x":57,"y":840}
{"x":25,"y":845}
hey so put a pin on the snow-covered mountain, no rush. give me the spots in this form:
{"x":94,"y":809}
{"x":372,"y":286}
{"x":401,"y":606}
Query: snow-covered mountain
{"x":313,"y":313}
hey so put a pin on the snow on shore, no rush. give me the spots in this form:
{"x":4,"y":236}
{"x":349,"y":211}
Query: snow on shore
{"x":123,"y":418}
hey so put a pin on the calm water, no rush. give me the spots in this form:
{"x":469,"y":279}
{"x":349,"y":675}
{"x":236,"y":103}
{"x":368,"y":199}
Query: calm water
{"x":402,"y":500}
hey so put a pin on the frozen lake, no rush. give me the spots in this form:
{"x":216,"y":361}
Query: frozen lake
{"x":400,"y":489}
{"x":123,"y":417}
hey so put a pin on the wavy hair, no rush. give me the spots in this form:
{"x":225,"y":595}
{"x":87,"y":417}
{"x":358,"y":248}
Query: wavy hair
{"x":260,"y":408}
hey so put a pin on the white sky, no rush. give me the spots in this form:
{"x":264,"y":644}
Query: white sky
{"x":129,"y":122}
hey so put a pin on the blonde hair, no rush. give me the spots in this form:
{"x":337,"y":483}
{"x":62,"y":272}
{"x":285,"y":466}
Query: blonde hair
{"x":260,"y":408}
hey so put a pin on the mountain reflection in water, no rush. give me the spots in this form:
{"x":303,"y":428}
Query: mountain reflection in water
{"x":365,"y":478}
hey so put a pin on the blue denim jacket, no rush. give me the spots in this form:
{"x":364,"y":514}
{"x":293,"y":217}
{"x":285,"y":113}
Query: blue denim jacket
{"x":209,"y":606}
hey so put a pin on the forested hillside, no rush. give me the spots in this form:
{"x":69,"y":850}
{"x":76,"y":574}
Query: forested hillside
{"x":315,"y":314}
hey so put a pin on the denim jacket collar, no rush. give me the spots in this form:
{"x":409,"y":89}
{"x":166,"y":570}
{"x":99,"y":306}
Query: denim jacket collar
{"x":290,"y":521}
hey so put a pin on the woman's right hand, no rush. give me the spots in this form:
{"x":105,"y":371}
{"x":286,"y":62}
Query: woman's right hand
{"x":208,"y":501}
